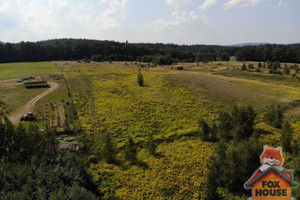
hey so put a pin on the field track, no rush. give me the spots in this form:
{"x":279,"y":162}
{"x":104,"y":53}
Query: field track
{"x":15,"y":118}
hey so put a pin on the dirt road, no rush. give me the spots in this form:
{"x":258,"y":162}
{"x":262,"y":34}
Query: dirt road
{"x":15,"y":118}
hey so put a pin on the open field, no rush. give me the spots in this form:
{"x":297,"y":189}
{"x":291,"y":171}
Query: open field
{"x":14,"y":95}
{"x":11,"y":70}
{"x":51,"y":108}
{"x":230,"y":91}
{"x":28,"y":107}
{"x":108,"y":100}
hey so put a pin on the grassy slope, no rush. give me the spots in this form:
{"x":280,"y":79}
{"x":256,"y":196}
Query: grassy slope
{"x":10,"y":70}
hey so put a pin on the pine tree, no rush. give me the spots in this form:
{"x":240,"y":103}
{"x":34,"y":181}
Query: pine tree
{"x":225,"y":125}
{"x":140,"y":79}
{"x":286,"y":136}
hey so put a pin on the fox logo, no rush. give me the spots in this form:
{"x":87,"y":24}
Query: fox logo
{"x":269,"y":157}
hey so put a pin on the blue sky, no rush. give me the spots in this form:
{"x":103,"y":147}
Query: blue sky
{"x":221,"y":22}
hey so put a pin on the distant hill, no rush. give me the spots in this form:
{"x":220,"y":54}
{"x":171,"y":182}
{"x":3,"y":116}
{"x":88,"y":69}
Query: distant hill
{"x":248,"y":44}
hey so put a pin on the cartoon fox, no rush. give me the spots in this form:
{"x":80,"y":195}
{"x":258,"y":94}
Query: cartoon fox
{"x":269,"y":157}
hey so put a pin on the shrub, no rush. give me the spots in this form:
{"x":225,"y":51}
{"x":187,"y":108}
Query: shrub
{"x":151,"y":145}
{"x":274,"y":115}
{"x":250,"y":66}
{"x":130,"y":151}
{"x":286,"y":69}
{"x":259,"y":65}
{"x":108,"y":149}
{"x":203,"y":130}
{"x":243,"y":66}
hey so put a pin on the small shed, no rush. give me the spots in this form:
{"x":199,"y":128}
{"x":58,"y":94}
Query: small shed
{"x":272,"y":184}
{"x":36,"y":84}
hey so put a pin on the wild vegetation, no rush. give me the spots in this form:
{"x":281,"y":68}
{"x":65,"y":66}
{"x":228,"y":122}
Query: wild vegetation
{"x":138,"y":137}
{"x":148,"y":131}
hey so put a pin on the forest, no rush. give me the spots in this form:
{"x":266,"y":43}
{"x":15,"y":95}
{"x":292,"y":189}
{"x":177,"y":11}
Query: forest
{"x":31,"y":167}
{"x":97,"y":50}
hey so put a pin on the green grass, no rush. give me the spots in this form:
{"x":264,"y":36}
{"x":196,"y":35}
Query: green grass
{"x":11,"y":70}
{"x":16,"y":96}
{"x":225,"y":91}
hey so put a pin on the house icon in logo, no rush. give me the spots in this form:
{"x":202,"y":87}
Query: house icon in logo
{"x":272,"y":184}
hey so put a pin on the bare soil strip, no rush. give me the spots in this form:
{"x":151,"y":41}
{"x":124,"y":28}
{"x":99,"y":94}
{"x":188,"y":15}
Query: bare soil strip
{"x":15,"y":118}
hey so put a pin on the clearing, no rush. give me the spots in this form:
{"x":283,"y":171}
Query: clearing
{"x":227,"y":91}
{"x":15,"y":118}
{"x":11,"y":70}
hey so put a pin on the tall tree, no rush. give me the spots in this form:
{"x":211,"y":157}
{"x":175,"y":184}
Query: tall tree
{"x":286,"y":136}
{"x":140,"y":79}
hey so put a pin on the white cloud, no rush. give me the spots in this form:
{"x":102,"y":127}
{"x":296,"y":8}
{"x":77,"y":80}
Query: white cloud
{"x":241,"y":3}
{"x":184,"y":18}
{"x":208,"y":4}
{"x":179,"y":16}
{"x":177,"y":4}
{"x":282,"y":3}
{"x":112,"y":17}
{"x":38,"y":20}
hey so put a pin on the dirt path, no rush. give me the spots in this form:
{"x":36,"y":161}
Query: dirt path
{"x":15,"y":118}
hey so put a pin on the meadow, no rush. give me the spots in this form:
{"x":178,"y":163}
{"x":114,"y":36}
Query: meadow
{"x":167,"y":109}
{"x":13,"y":70}
{"x":105,"y":99}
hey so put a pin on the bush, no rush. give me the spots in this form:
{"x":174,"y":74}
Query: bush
{"x":130,"y":151}
{"x":97,"y":58}
{"x":203,"y":130}
{"x":286,"y":69}
{"x":259,"y":65}
{"x":151,"y":145}
{"x":243,"y":66}
{"x":258,"y":70}
{"x":250,"y":66}
{"x":274,"y":116}
{"x":108,"y":149}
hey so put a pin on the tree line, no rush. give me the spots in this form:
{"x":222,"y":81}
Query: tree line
{"x":96,"y":50}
